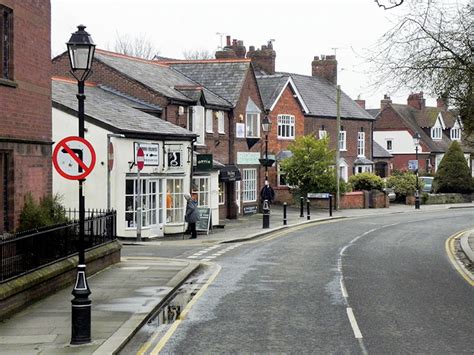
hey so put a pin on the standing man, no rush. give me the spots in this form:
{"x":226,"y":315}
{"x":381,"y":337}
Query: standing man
{"x":267,"y":193}
{"x":191,"y":215}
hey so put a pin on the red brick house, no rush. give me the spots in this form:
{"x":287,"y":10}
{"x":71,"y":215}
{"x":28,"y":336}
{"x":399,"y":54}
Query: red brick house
{"x":25,"y":106}
{"x":396,"y":124}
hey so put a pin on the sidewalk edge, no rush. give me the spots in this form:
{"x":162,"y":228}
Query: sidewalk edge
{"x":123,"y":335}
{"x":465,"y":245}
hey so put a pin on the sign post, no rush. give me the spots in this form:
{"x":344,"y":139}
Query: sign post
{"x":140,"y":165}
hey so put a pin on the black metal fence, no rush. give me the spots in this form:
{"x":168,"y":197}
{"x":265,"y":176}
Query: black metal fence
{"x":26,"y":251}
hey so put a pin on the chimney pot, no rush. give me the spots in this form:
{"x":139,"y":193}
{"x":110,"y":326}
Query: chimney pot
{"x":228,"y":40}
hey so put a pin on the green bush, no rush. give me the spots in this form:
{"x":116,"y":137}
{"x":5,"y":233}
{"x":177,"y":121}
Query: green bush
{"x":366,"y":181}
{"x":404,"y":184}
{"x":453,"y":174}
{"x":48,"y":211}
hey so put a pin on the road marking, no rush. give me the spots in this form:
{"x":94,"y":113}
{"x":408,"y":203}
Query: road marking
{"x":451,"y":251}
{"x":353,"y":321}
{"x":184,"y":313}
{"x":343,"y":288}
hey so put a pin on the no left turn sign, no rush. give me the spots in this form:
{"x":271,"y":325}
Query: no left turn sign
{"x":74,"y":158}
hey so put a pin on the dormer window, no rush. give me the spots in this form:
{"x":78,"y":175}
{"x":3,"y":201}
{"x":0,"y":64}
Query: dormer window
{"x":456,"y":132}
{"x":436,"y":133}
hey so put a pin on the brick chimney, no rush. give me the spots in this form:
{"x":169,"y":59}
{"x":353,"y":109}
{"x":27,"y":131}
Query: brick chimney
{"x":236,"y":49}
{"x":326,"y":68}
{"x":416,"y":101}
{"x":442,"y":103}
{"x":263,"y":59}
{"x":360,"y":102}
{"x":386,"y":101}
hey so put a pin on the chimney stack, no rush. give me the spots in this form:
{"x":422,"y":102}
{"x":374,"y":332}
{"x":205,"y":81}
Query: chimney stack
{"x":233,"y":49}
{"x":325,"y":68}
{"x":360,"y":102}
{"x":441,"y":103}
{"x":416,"y":101}
{"x":386,"y":101}
{"x":263,"y":59}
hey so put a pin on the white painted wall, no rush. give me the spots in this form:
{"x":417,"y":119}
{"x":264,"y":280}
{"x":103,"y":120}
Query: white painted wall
{"x":65,"y":125}
{"x":402,"y":141}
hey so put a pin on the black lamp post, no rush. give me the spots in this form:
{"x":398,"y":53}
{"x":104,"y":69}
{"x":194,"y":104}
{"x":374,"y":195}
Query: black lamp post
{"x":266,"y":126}
{"x":416,"y":141}
{"x":81,"y":52}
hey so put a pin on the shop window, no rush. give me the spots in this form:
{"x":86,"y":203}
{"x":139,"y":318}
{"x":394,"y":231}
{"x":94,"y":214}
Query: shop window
{"x":249,"y":185}
{"x":174,"y":201}
{"x":148,"y":202}
{"x":201,"y":188}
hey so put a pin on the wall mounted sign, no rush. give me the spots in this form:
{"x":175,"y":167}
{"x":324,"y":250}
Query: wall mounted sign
{"x":248,"y":158}
{"x":204,"y":162}
{"x":151,"y":151}
{"x":74,"y":158}
{"x":175,"y":159}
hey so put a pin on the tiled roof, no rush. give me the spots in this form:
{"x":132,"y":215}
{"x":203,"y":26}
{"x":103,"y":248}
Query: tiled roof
{"x":373,"y":111}
{"x":223,"y":77}
{"x":159,"y":77}
{"x":116,"y":111}
{"x":270,"y":87}
{"x":319,"y":96}
{"x":380,"y":152}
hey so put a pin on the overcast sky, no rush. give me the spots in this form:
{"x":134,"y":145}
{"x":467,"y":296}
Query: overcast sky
{"x":301,"y":29}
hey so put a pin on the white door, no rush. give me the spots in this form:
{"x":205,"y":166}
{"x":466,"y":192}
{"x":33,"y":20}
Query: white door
{"x":156,"y":207}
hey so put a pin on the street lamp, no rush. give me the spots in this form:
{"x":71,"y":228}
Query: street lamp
{"x":81,"y":52}
{"x":416,"y":141}
{"x":266,"y":126}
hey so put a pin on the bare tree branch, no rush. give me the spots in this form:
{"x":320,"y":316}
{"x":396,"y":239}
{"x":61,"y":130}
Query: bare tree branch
{"x":139,"y":46}
{"x":394,"y":3}
{"x":194,"y":54}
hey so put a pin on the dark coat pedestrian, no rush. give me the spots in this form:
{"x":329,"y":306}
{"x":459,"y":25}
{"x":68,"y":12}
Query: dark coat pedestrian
{"x":267,"y":193}
{"x":191,"y":216}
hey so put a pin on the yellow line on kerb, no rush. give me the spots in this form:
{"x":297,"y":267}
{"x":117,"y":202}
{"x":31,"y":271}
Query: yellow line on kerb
{"x":181,"y":317}
{"x":451,"y":251}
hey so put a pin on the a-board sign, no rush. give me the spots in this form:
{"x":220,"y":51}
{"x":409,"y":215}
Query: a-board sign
{"x":204,"y":222}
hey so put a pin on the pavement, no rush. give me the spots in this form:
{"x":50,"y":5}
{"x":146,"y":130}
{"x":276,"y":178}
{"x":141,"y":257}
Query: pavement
{"x":118,"y":312}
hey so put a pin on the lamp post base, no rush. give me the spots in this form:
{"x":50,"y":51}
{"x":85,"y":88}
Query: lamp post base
{"x":81,"y":309}
{"x":417,"y":200}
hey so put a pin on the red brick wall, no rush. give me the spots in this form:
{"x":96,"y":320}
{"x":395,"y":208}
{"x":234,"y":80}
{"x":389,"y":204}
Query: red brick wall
{"x":25,"y":107}
{"x":352,"y":200}
{"x":352,"y":127}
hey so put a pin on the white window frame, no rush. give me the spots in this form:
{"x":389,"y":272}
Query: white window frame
{"x":198,"y":123}
{"x":201,"y":186}
{"x":322,"y":133}
{"x":252,"y":119}
{"x":249,"y":185}
{"x":342,"y":140}
{"x":174,"y":189}
{"x":221,"y":192}
{"x":456,"y":132}
{"x":209,"y":123}
{"x":436,"y":133}
{"x":220,"y":122}
{"x":286,"y":127}
{"x":387,"y":143}
{"x":148,"y":203}
{"x":361,"y":144}
{"x":280,"y":175}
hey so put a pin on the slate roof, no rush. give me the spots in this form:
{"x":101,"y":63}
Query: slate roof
{"x":270,"y":87}
{"x":380,"y":152}
{"x":223,"y":77}
{"x":319,"y":96}
{"x":373,"y":111}
{"x":158,"y":77}
{"x":114,"y":111}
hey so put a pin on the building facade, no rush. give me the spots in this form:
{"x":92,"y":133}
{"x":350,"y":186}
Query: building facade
{"x":25,"y":106}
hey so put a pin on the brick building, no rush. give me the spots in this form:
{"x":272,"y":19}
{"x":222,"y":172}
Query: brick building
{"x":25,"y":106}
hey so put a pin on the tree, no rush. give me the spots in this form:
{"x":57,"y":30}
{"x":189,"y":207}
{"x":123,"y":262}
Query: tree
{"x":453,"y":173}
{"x":197,"y":54}
{"x":430,"y":48}
{"x":311,"y":168}
{"x":139,"y":46}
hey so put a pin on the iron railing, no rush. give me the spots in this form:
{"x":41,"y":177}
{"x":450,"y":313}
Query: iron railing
{"x":27,"y":251}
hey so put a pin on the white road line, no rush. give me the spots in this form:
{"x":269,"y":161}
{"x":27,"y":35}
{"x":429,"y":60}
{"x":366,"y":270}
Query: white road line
{"x":207,"y":259}
{"x":343,"y":288}
{"x":193,"y":256}
{"x":355,"y":327}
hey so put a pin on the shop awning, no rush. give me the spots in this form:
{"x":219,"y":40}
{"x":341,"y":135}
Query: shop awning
{"x":230,"y":173}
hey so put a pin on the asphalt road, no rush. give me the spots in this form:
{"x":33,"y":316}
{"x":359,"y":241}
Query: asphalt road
{"x":367,"y":285}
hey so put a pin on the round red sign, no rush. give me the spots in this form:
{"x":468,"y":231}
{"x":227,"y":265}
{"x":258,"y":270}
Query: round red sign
{"x":140,"y":159}
{"x":74,"y":158}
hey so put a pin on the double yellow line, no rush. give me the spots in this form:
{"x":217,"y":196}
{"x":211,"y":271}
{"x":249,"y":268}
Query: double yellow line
{"x":451,"y":251}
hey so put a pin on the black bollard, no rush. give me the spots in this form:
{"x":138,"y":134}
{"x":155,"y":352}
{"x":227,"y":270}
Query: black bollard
{"x":284,"y":213}
{"x":266,"y":214}
{"x":301,"y":206}
{"x":307,"y":210}
{"x":330,"y":205}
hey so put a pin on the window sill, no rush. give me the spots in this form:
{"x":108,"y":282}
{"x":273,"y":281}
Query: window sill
{"x":286,"y":138}
{"x":8,"y":82}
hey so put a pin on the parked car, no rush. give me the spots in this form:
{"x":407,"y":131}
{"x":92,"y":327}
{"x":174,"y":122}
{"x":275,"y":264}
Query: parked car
{"x":427,"y":183}
{"x":390,"y":193}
